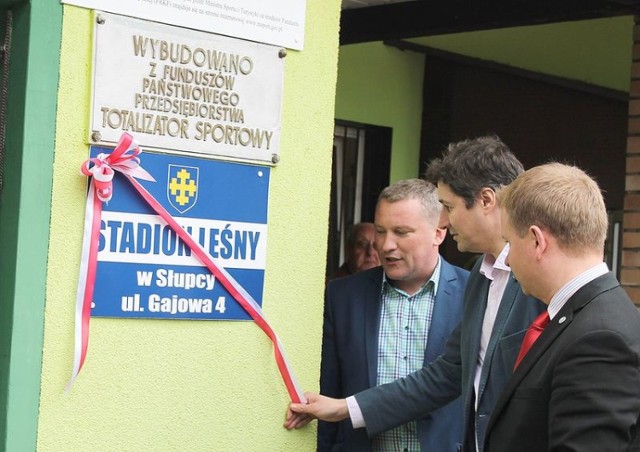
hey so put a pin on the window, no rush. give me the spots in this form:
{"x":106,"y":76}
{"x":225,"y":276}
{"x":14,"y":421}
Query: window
{"x":360,"y":170}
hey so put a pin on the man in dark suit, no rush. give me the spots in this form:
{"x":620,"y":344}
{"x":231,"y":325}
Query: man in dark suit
{"x":578,"y":386}
{"x":384,"y":323}
{"x":480,"y":354}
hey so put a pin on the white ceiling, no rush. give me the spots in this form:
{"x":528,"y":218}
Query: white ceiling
{"x":349,"y":4}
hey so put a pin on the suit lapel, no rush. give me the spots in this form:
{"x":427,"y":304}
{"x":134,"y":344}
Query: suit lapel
{"x":479,"y":306}
{"x":506,"y":305}
{"x":560,"y":322}
{"x":441,"y":316}
{"x":548,"y":336}
{"x":372,"y":296}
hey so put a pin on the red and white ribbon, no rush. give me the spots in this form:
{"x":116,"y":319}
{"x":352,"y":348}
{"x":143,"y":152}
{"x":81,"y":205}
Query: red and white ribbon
{"x":124,"y":158}
{"x":129,"y":165}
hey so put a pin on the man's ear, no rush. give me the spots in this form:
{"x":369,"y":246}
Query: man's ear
{"x":441,"y":234}
{"x":488,"y":198}
{"x":541,"y":241}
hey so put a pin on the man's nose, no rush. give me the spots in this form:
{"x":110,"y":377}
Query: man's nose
{"x":389,"y":243}
{"x":368,"y":248}
{"x":444,"y":220}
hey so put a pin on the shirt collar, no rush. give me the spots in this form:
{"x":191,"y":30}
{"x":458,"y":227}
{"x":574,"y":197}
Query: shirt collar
{"x":490,"y":265}
{"x":435,"y":277}
{"x":562,"y":296}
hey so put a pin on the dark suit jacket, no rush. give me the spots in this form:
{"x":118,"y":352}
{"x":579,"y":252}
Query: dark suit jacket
{"x":578,"y":387}
{"x":452,"y":374}
{"x":350,"y":347}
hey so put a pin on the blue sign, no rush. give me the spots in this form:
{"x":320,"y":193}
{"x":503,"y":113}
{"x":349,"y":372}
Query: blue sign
{"x":146,"y":271}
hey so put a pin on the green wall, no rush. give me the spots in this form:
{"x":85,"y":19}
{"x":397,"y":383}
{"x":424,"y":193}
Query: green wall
{"x":24,"y":214}
{"x":591,"y":51}
{"x":383,"y":86}
{"x":193,"y":385}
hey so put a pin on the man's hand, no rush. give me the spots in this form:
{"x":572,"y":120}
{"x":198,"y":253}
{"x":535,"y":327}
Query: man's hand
{"x":317,"y":407}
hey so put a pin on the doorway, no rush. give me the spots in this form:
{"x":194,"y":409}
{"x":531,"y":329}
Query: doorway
{"x":360,"y":171}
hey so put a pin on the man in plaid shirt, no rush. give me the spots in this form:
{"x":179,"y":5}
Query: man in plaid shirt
{"x":387,"y":322}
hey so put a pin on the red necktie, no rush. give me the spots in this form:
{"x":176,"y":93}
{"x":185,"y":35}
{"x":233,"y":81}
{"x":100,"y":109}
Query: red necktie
{"x":534,"y":331}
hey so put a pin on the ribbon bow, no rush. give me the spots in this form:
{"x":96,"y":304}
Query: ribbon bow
{"x":124,"y":159}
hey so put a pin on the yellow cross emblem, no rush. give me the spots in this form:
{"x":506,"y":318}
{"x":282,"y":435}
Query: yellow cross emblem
{"x":182,"y":187}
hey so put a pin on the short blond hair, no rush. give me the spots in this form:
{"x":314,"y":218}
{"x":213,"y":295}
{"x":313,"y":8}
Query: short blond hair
{"x":562,"y":199}
{"x":419,"y":189}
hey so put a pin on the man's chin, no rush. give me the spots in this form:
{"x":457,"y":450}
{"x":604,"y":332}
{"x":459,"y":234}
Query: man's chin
{"x":464,"y":247}
{"x":461,"y":247}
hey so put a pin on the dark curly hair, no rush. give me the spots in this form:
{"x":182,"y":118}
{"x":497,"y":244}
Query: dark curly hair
{"x":471,"y":165}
